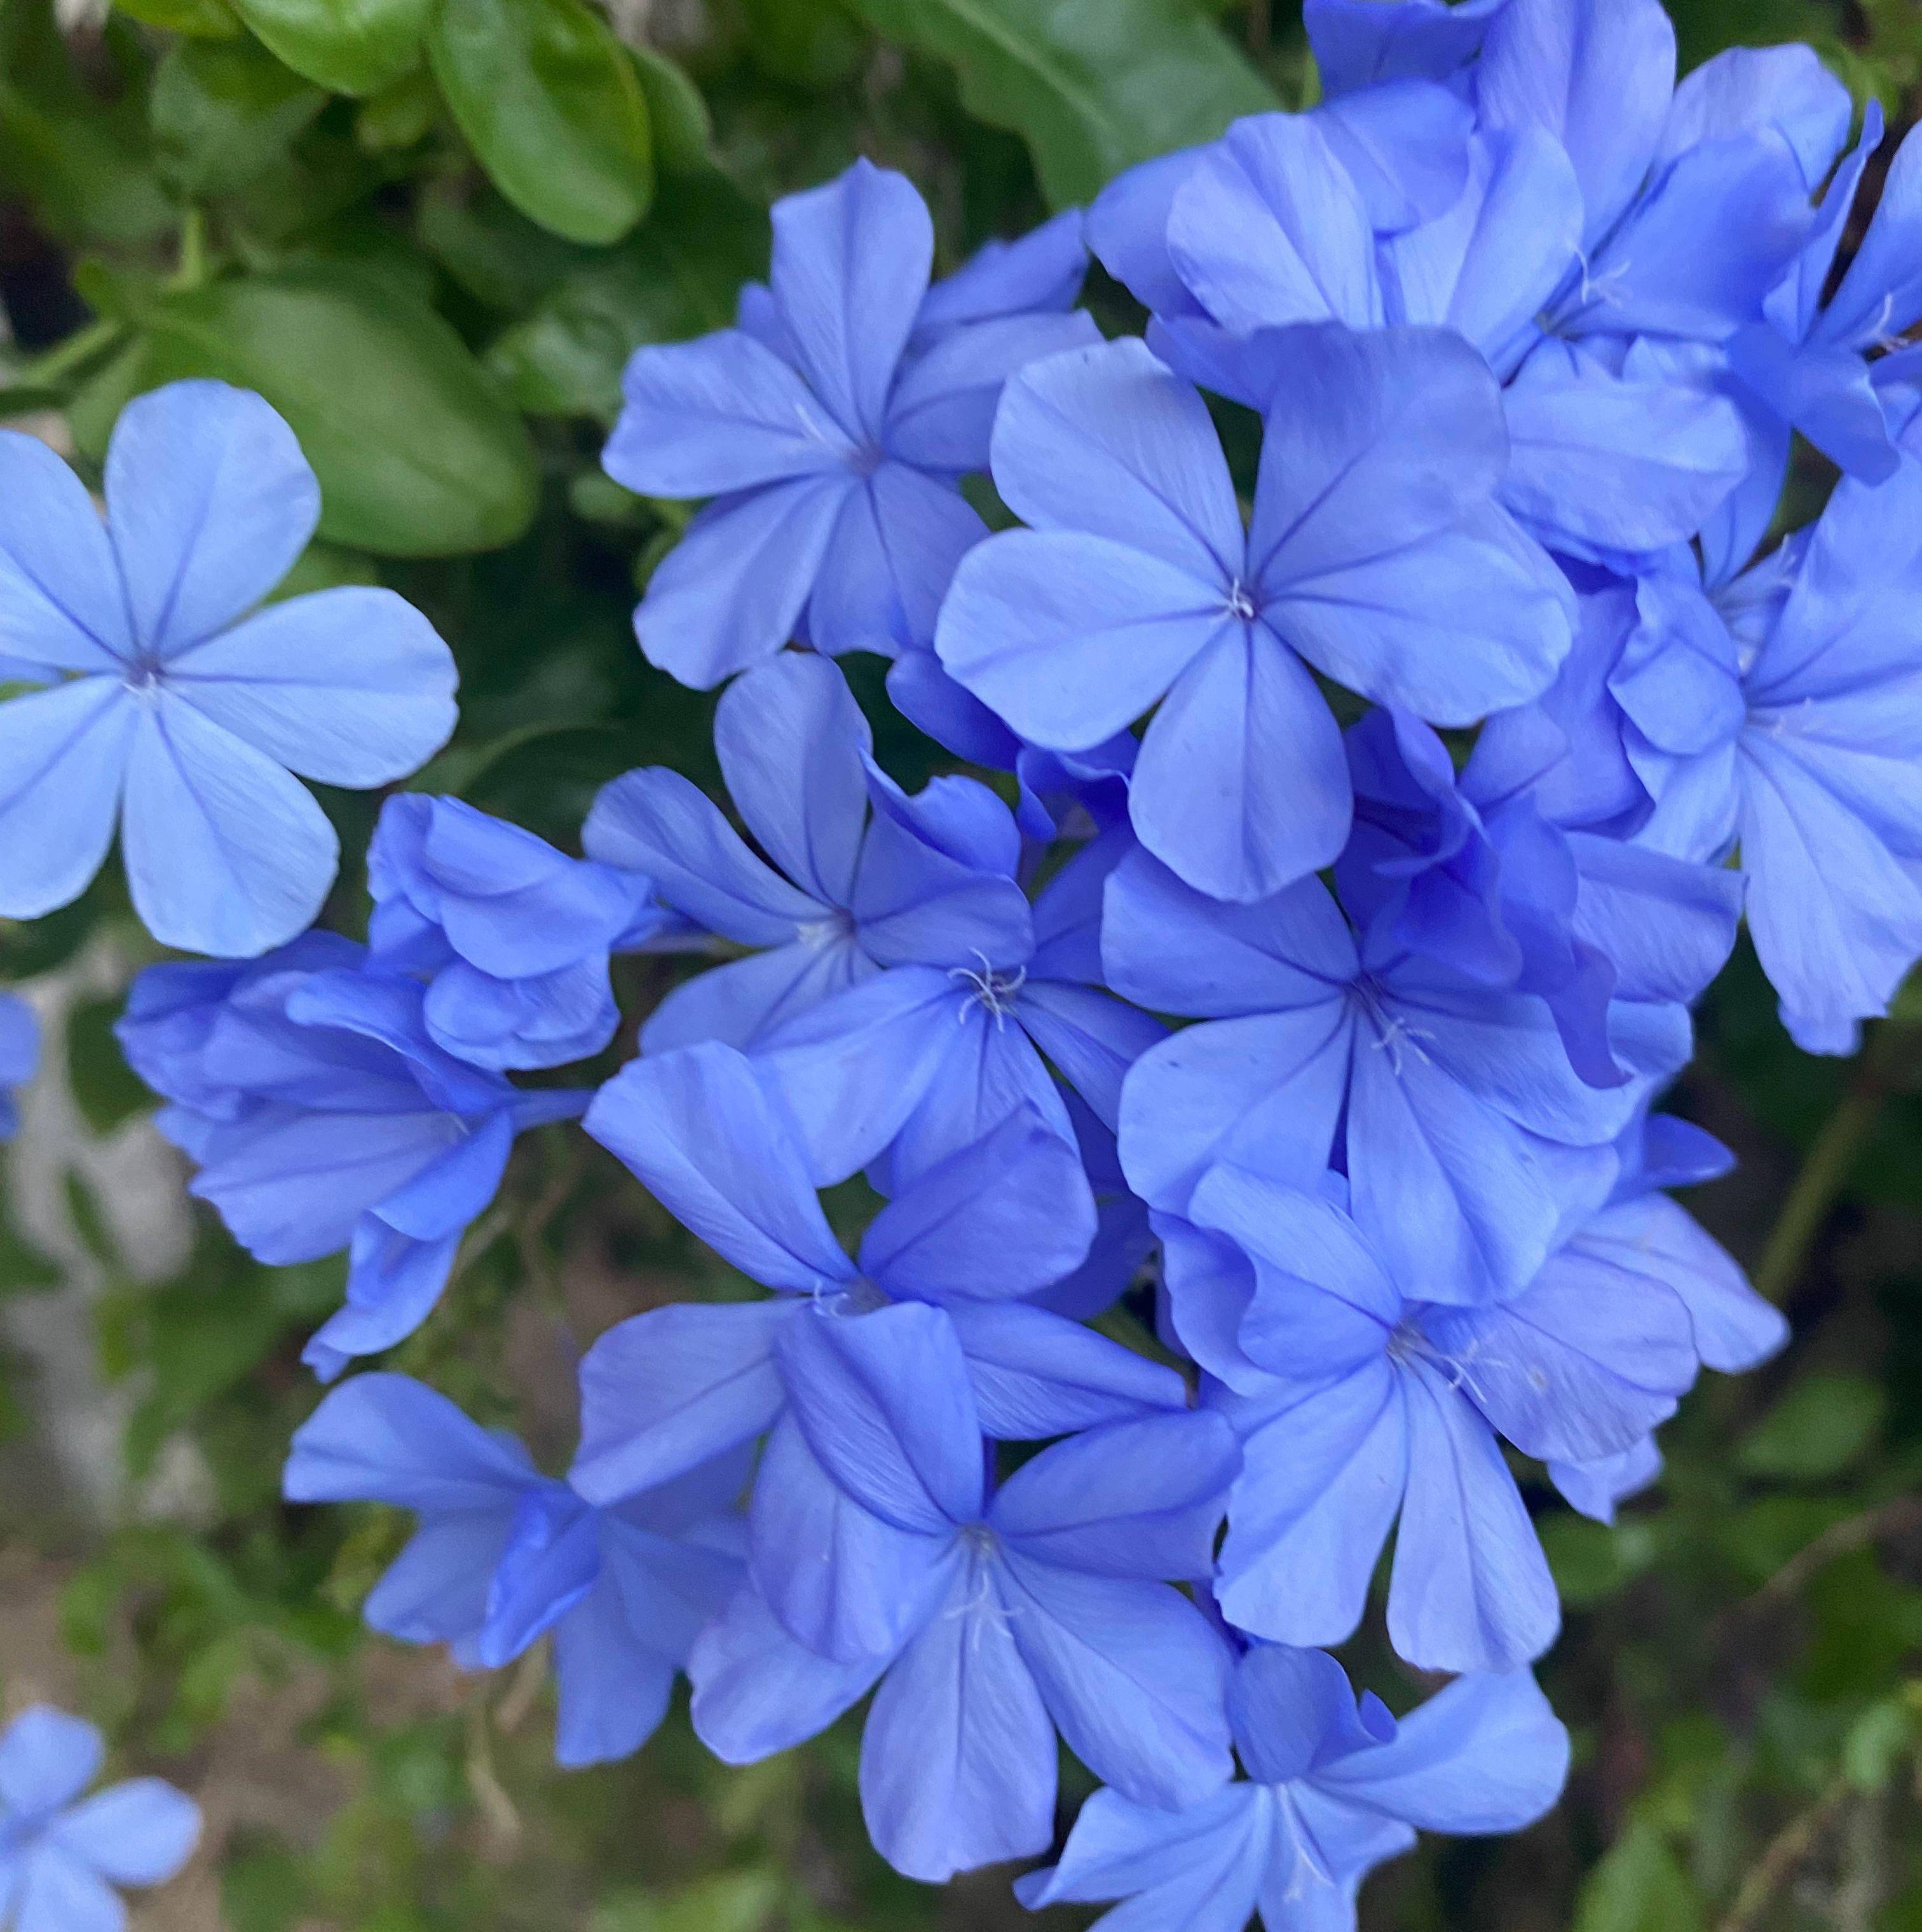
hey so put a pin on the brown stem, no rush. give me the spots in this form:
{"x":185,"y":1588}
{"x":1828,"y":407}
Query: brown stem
{"x":1784,"y":1856}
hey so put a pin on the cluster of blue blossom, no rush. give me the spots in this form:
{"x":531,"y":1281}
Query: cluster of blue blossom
{"x":1321,"y":1021}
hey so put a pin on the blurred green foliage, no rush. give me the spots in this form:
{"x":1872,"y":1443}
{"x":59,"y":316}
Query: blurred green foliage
{"x":431,"y":232}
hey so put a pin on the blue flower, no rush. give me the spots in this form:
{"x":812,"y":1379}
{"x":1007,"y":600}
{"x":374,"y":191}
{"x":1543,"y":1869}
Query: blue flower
{"x":512,"y":935}
{"x":1375,"y":553}
{"x":168,"y":709}
{"x":1332,"y":1789}
{"x":832,"y":426}
{"x":862,"y":880}
{"x":1469,"y":872}
{"x":975,"y":1239}
{"x":501,"y":1554}
{"x":322,"y":1116}
{"x":1036,"y":1609}
{"x":20,"y":1056}
{"x":61,"y":1855}
{"x":1777,"y":713}
{"x":1356,"y":1401}
{"x":1449,"y":1103}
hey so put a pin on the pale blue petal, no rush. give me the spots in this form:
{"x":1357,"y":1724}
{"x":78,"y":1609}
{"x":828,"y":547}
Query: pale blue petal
{"x":1036,"y":1374}
{"x":208,"y":502}
{"x":47,"y":1758}
{"x":612,"y":1691}
{"x":351,"y":686}
{"x":63,"y":757}
{"x":138,"y":1833}
{"x":61,"y":605}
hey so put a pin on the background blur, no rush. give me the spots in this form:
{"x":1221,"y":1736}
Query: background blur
{"x":435,"y":269}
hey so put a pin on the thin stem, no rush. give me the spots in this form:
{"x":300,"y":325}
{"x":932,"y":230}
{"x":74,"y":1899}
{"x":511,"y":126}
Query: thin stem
{"x":1824,"y":1174}
{"x":67,"y":358}
{"x":1784,"y":1855}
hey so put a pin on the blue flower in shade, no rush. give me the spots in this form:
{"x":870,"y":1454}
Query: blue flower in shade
{"x":1375,"y":554}
{"x":168,"y":709}
{"x":1449,"y":1103}
{"x":832,"y":426}
{"x":19,"y":1057}
{"x":1331,"y":1788}
{"x":512,"y":936}
{"x":1038,"y":1608}
{"x":1775,"y":713}
{"x":323,"y":1117}
{"x":62,"y":1855}
{"x":503,"y":1555}
{"x":1468,"y":872}
{"x":861,"y":878}
{"x":975,"y":1241}
{"x":1356,"y":1402}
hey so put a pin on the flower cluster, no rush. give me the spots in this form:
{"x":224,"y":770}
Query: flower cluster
{"x":1255,"y":1058}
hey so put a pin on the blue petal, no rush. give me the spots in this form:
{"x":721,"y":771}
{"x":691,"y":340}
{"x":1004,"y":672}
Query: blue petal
{"x":61,"y":604}
{"x":941,"y":414}
{"x":737,"y":1004}
{"x":958,"y":1762}
{"x":1091,"y":1040}
{"x":1786,"y":90}
{"x":47,"y":1758}
{"x":1132,"y":1673}
{"x":393,"y":1281}
{"x":699,"y":1129}
{"x":790,"y":739}
{"x":388,"y":1439}
{"x":1003,"y":1217}
{"x":1268,"y":229}
{"x":138,"y":1833}
{"x":1613,"y":463}
{"x":61,"y":1894}
{"x":731,"y":591}
{"x":1197,"y":1870}
{"x":1036,"y":1374}
{"x":552,"y":1560}
{"x":208,"y":502}
{"x":436,"y":1590}
{"x":851,"y":261}
{"x":63,"y":757}
{"x":1043,"y":269}
{"x":1241,"y":788}
{"x":1471,"y":1589}
{"x":1359,"y":43}
{"x":1485,"y":1754}
{"x":1292,"y":1710}
{"x":757,"y":1691}
{"x":1170,"y":948}
{"x":1881,"y":296}
{"x":1404,"y":146}
{"x":350,"y":686}
{"x":1071,"y":637}
{"x":657,"y":823}
{"x":1322,"y":1476}
{"x":613,"y":1689}
{"x":664,"y":1392}
{"x":226,"y":853}
{"x":838,"y":1578}
{"x":884,"y":1402}
{"x":1140,"y":1499}
{"x":1596,"y":74}
{"x":724,"y":413}
{"x":1128,"y":231}
{"x":1597,"y":1487}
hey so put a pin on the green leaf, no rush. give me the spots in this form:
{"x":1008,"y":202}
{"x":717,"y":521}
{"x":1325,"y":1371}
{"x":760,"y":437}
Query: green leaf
{"x":1879,"y":1740}
{"x":224,"y":111}
{"x":352,"y":46}
{"x":1821,"y":1425}
{"x":1639,"y":1886}
{"x":1092,"y":85}
{"x":212,"y":19}
{"x":109,"y":1090}
{"x":417,"y":454}
{"x":803,"y":42}
{"x":677,"y":276}
{"x":80,"y":162}
{"x":553,"y":105}
{"x":683,"y":129}
{"x":741,"y":1901}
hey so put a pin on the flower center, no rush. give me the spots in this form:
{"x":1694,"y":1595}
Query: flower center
{"x":989,"y":988}
{"x":831,"y":929}
{"x":1240,"y":602}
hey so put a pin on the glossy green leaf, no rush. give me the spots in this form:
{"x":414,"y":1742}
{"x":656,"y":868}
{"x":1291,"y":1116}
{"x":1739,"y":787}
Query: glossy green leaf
{"x":225,"y":111}
{"x":676,"y":276}
{"x":352,"y":46}
{"x":416,"y":453}
{"x":213,"y":19}
{"x":683,"y":130}
{"x":553,"y":105}
{"x":1639,"y":1886}
{"x":1091,"y":88}
{"x":107,"y":1089}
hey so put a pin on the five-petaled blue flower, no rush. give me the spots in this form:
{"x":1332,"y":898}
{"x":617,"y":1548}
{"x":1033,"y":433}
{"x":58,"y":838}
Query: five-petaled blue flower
{"x":168,"y":709}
